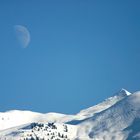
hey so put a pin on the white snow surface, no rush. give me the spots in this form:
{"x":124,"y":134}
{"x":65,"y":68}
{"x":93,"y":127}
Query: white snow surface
{"x":116,"y":118}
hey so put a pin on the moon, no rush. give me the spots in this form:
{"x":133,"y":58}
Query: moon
{"x":22,"y":35}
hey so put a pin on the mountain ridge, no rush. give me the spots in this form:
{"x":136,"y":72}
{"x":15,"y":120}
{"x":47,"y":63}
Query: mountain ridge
{"x":114,"y":118}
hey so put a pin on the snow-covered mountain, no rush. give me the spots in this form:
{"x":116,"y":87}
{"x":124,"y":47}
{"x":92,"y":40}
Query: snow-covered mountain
{"x":116,"y":118}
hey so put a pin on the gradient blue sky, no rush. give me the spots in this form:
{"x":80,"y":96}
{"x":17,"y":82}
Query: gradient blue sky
{"x":81,"y":52}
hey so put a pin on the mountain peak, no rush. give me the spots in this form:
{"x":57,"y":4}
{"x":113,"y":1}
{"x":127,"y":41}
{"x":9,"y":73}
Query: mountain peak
{"x":123,"y":92}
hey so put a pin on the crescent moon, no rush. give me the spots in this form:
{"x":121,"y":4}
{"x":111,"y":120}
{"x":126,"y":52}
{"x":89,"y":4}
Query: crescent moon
{"x":23,"y":35}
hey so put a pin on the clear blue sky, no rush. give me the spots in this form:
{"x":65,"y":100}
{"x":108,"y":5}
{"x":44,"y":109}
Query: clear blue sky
{"x":81,"y":52}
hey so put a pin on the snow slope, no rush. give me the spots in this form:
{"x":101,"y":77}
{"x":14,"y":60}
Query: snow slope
{"x":116,"y":118}
{"x":105,"y":104}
